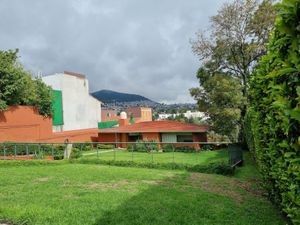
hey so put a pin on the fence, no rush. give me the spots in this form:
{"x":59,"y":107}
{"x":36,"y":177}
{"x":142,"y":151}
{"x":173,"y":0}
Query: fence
{"x":143,"y":151}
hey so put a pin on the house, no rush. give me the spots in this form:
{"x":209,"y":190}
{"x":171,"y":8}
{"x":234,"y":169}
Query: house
{"x":74,"y":107}
{"x":169,"y":132}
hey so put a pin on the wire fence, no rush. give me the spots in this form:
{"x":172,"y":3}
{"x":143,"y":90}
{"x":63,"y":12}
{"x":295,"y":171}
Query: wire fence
{"x":142,"y":151}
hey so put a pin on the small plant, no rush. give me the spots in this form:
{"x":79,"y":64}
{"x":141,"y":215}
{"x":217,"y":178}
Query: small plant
{"x":75,"y":154}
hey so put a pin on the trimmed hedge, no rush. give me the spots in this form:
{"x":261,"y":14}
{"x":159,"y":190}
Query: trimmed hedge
{"x":222,"y":168}
{"x":272,"y":123}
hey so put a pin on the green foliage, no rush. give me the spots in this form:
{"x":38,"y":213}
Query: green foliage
{"x":273,"y":120}
{"x":222,"y":168}
{"x":170,"y":148}
{"x":18,"y":88}
{"x":39,"y":151}
{"x":75,"y":154}
{"x":105,"y":146}
{"x":144,"y":146}
{"x":221,"y":96}
{"x":229,"y":51}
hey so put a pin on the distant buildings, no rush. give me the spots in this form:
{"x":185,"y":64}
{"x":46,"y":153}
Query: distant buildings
{"x":187,"y":114}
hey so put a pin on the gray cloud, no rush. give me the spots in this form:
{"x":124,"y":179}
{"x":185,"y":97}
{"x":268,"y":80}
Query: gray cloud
{"x":132,"y":46}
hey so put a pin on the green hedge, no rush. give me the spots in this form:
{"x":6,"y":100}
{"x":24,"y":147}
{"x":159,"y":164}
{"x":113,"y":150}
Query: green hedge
{"x":38,"y":150}
{"x":170,"y":148}
{"x":144,"y":146}
{"x":222,"y":168}
{"x":273,"y":119}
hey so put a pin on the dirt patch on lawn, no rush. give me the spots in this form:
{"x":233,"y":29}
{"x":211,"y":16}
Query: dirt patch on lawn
{"x":129,"y":186}
{"x":228,"y":187}
{"x":42,"y":179}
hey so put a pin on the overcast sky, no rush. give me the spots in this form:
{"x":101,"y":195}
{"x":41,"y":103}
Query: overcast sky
{"x":132,"y":46}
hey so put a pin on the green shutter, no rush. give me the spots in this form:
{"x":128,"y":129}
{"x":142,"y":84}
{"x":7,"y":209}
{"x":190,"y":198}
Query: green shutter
{"x":57,"y":113}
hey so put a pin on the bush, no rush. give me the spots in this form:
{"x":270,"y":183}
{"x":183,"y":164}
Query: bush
{"x":83,"y":146}
{"x":221,"y":168}
{"x":187,"y":149}
{"x":144,"y":146}
{"x":168,"y":148}
{"x":38,"y":150}
{"x":273,"y":118}
{"x":75,"y":154}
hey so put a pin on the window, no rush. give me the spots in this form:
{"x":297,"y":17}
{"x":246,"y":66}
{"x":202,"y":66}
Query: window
{"x":185,"y":138}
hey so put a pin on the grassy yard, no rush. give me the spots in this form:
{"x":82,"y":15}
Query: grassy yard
{"x":63,"y":193}
{"x":203,"y":157}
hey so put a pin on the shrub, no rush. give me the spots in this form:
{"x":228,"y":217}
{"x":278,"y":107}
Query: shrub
{"x":75,"y":154}
{"x":186,"y":149}
{"x":273,"y":118}
{"x":144,"y":146}
{"x":83,"y":146}
{"x":168,"y":148}
{"x":221,"y":168}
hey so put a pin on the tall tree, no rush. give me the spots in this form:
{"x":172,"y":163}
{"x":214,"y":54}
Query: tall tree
{"x":233,"y":44}
{"x":18,"y":88}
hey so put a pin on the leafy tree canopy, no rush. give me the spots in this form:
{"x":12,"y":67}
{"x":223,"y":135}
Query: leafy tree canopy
{"x":18,"y":88}
{"x":229,"y":51}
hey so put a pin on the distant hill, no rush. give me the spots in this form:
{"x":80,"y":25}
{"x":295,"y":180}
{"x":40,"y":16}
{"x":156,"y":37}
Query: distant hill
{"x":108,"y":96}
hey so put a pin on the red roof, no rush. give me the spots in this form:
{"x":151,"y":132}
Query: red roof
{"x":163,"y":126}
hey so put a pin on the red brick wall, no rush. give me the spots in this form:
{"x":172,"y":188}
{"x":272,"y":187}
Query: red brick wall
{"x":25,"y":124}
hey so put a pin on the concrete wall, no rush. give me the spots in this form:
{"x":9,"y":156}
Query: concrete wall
{"x":80,"y":109}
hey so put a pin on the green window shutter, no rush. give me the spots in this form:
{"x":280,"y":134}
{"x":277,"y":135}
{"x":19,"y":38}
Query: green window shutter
{"x":57,"y":113}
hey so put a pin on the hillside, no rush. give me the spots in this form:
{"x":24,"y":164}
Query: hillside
{"x":108,"y":96}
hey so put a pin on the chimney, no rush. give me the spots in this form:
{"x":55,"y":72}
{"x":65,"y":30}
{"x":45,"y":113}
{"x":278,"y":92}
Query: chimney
{"x":123,"y":121}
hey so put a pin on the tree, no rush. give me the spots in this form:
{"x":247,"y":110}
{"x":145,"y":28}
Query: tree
{"x":221,"y":96}
{"x":233,"y":45}
{"x":18,"y":88}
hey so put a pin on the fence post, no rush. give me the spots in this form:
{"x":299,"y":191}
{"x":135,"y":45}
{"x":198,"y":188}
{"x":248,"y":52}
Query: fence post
{"x":114,"y":155}
{"x":4,"y":152}
{"x":97,"y":152}
{"x":27,"y":151}
{"x":52,"y":150}
{"x":151,"y":150}
{"x":133,"y":147}
{"x":173,"y":156}
{"x":15,"y":151}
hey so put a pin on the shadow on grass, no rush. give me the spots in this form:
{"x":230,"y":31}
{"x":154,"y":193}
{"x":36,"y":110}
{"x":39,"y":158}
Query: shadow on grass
{"x":179,"y":201}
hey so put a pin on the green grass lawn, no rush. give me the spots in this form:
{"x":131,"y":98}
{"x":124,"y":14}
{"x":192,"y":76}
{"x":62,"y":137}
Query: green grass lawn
{"x":203,"y":157}
{"x":63,"y":193}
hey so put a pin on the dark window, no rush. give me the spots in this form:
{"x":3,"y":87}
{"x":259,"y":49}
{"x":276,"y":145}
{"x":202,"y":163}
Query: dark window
{"x":184,"y":138}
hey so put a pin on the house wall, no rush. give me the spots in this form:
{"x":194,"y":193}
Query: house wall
{"x":25,"y":124}
{"x":140,"y":114}
{"x":102,"y":137}
{"x":80,"y":109}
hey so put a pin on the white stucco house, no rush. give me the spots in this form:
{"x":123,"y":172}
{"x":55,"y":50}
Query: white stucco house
{"x":77,"y":109}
